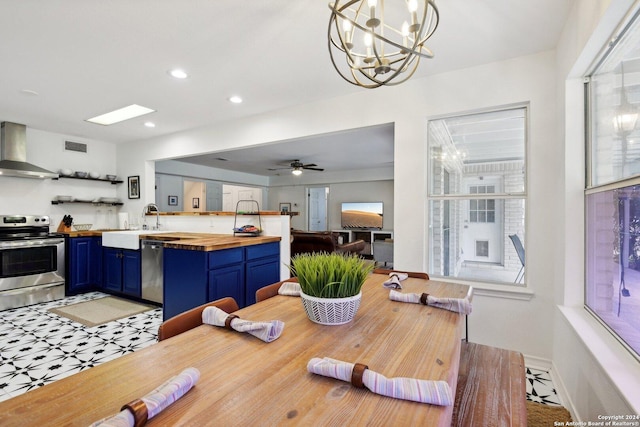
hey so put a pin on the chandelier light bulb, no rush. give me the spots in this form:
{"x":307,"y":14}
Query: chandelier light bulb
{"x":372,"y":22}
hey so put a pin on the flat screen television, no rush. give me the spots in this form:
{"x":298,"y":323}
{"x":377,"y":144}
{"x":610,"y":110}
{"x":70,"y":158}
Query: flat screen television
{"x":361,"y":215}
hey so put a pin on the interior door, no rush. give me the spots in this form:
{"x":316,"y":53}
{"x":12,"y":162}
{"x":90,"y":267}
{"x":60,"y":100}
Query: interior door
{"x":318,"y":198}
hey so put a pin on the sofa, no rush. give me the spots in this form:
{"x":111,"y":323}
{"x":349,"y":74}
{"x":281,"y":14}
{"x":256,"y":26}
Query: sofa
{"x":322,"y":241}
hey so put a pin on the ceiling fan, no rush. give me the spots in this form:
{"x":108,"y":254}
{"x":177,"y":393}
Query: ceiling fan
{"x":297,"y":166}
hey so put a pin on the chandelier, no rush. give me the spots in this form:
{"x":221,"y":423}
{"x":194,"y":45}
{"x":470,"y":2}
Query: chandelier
{"x":380,"y":46}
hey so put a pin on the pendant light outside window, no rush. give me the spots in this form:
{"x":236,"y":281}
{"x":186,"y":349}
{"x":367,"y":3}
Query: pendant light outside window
{"x":373,"y":43}
{"x":624,"y":122}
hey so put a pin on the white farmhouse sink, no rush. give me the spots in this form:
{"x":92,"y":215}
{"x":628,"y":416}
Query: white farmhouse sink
{"x":129,"y":239}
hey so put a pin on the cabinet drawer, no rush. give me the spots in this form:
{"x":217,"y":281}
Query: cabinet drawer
{"x":264,"y":250}
{"x":225,"y":257}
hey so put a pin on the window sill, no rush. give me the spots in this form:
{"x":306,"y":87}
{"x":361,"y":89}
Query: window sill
{"x":618,"y":364}
{"x":494,"y":290}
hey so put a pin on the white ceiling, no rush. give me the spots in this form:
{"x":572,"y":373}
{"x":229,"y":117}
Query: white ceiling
{"x":84,"y":58}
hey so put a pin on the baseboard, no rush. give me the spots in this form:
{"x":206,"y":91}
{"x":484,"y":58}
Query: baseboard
{"x":563,"y":393}
{"x":537,"y":363}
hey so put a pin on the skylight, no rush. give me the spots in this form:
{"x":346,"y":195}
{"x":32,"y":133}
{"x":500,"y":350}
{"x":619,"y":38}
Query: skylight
{"x":121,"y":115}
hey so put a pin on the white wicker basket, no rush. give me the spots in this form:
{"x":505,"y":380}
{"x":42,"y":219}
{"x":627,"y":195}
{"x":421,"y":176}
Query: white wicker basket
{"x":331,"y":311}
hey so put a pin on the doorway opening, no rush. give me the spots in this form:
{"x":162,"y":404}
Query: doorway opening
{"x":317,"y":208}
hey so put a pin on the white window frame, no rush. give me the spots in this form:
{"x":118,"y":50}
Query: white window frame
{"x":482,"y":285}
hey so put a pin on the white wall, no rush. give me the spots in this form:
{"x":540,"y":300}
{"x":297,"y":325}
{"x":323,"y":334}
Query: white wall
{"x":33,"y":196}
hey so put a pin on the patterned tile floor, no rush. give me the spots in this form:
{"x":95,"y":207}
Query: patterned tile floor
{"x":540,"y":388}
{"x":38,"y":347}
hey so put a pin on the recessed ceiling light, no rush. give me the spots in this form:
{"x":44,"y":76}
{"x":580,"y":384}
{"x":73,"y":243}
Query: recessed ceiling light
{"x":235,"y":99}
{"x":150,"y":124}
{"x":120,"y":115}
{"x":178,"y":74}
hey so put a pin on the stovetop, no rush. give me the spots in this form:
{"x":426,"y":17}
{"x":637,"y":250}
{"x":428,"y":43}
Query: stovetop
{"x":14,"y":221}
{"x":22,"y":227}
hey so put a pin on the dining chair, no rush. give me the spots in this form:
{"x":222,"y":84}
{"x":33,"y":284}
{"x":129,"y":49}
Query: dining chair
{"x":192,"y":318}
{"x":415,"y":274}
{"x":271,"y":290}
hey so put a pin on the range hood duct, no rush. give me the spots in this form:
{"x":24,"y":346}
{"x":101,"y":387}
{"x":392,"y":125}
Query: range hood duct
{"x":13,"y":154}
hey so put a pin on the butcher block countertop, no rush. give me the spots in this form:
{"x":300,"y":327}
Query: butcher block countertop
{"x":88,"y":233}
{"x":191,"y":241}
{"x":217,"y":213}
{"x":207,"y":241}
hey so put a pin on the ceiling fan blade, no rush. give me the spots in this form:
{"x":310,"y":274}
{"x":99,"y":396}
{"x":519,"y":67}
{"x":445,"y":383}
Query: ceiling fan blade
{"x":313,"y":169}
{"x":309,"y":164}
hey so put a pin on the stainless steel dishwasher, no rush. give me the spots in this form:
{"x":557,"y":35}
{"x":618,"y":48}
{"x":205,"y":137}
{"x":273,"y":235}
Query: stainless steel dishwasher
{"x":152,"y":276}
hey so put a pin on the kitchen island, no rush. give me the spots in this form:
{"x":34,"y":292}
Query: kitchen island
{"x":196,"y":268}
{"x":199,"y":268}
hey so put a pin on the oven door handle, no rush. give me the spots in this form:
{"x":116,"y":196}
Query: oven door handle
{"x":30,"y":243}
{"x":20,"y":291}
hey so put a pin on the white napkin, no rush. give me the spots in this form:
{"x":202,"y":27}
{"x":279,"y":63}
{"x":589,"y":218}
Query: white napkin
{"x":394,"y":280}
{"x":459,"y":305}
{"x":266,"y":331}
{"x":424,"y":391}
{"x":156,"y":401}
{"x":291,"y":289}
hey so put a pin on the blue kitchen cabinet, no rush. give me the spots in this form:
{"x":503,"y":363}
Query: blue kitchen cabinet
{"x":262,"y":268}
{"x":185,"y":280}
{"x":95,"y":261}
{"x":79,"y":279}
{"x":121,"y":271}
{"x":226,"y":275}
{"x":193,"y":278}
{"x":84,"y":264}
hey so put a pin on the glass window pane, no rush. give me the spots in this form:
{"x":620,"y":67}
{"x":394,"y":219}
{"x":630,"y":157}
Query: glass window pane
{"x":473,"y":205}
{"x":452,"y":241}
{"x":613,"y":260}
{"x":482,"y":204}
{"x":614,"y":108}
{"x":491,"y":217}
{"x":482,"y":216}
{"x":463,"y":146}
{"x":491,"y":204}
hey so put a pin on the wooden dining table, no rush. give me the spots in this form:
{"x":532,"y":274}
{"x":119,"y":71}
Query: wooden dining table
{"x":247,"y":382}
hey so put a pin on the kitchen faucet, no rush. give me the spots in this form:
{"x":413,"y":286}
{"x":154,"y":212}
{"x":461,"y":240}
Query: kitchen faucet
{"x":146,"y":210}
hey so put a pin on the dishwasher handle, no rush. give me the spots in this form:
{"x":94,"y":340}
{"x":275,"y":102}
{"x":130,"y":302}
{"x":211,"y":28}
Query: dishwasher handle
{"x":152,"y":244}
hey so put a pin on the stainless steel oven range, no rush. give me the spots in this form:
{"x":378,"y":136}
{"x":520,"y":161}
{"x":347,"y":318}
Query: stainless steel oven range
{"x":31,"y":261}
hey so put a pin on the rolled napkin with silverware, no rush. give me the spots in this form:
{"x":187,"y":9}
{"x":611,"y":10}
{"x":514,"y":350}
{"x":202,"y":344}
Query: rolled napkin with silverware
{"x":291,"y":289}
{"x":266,"y":331}
{"x":459,"y":305}
{"x":395,"y":277}
{"x":417,"y":390}
{"x":139,"y":411}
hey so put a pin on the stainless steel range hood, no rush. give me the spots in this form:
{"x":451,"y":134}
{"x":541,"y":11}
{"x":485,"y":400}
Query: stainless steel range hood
{"x":13,"y":154}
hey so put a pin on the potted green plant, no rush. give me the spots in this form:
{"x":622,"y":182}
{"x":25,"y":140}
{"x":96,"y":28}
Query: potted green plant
{"x":331,"y":285}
